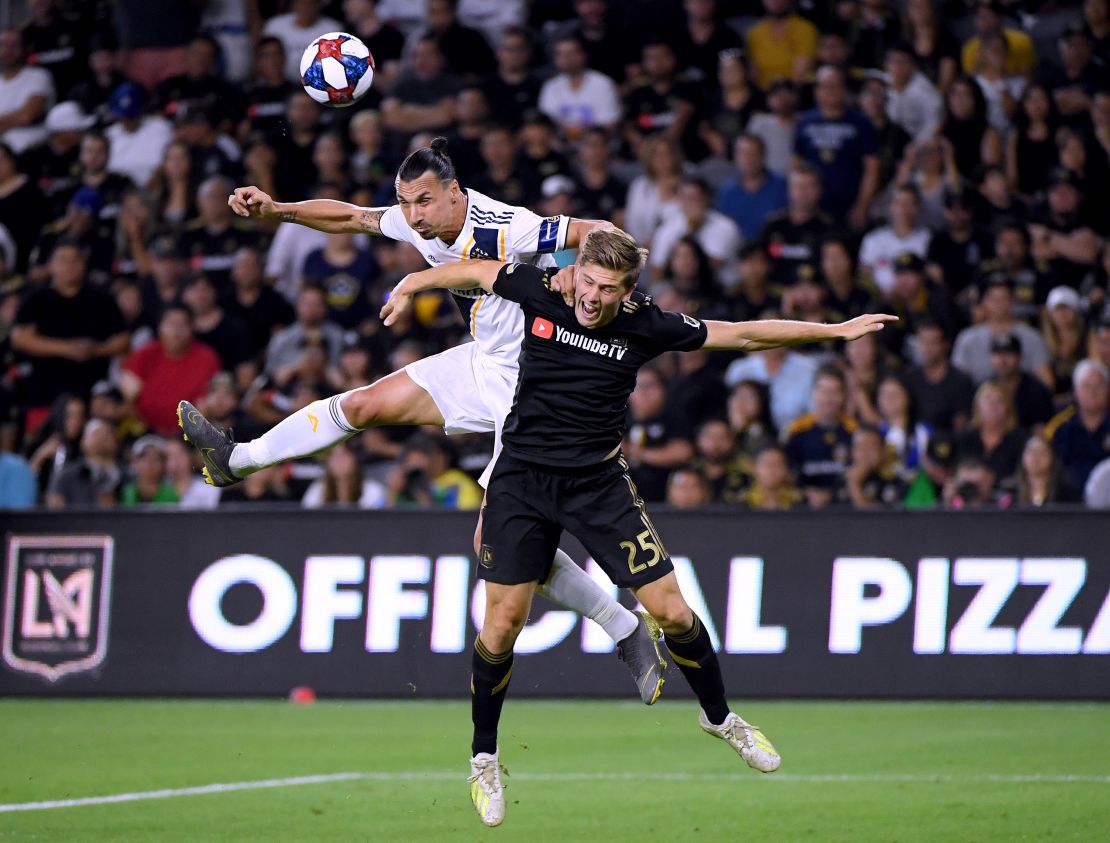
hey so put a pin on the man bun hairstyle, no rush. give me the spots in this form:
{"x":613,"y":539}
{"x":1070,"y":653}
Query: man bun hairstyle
{"x":616,"y":251}
{"x":433,"y":158}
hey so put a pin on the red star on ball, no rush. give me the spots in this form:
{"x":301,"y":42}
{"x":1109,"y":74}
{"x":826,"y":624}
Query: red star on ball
{"x":330,"y":48}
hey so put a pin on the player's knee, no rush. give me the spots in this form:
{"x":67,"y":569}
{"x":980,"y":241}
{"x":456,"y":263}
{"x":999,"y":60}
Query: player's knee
{"x":673,"y":615}
{"x":360,"y":406}
{"x":501,"y":628}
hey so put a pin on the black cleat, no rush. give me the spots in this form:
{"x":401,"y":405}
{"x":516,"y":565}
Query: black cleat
{"x":641,"y":652}
{"x":213,"y":445}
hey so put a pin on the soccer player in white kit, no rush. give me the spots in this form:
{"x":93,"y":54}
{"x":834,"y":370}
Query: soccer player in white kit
{"x":468,"y":388}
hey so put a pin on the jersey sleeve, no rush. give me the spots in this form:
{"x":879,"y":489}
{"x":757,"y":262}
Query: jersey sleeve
{"x":523,"y":283}
{"x":531,"y":234}
{"x":393,"y":225}
{"x":672,"y":331}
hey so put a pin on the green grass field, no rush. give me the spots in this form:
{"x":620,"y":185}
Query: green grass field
{"x":581,"y":771}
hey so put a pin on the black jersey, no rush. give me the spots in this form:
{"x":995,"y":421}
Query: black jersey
{"x":572,"y":391}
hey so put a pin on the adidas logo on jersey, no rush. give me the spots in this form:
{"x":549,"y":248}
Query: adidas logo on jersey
{"x":605,"y":349}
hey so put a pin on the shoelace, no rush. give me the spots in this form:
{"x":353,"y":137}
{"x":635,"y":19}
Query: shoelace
{"x":746,"y":737}
{"x":485,"y":776}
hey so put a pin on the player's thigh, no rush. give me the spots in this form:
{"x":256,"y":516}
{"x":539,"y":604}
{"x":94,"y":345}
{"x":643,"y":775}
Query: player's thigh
{"x":452,"y":379}
{"x":664,"y":601}
{"x":395,"y":399}
{"x":519,"y":536}
{"x":608,"y":516}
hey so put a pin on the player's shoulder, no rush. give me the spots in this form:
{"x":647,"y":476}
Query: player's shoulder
{"x":486,"y":211}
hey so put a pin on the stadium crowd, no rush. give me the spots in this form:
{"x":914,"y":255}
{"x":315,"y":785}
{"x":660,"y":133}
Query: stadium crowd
{"x":942,"y":160}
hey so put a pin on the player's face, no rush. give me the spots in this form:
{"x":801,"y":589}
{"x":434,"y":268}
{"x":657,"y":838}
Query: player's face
{"x":598,"y":294}
{"x":429,"y":206}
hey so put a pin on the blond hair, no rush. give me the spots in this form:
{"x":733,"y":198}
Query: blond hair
{"x":614,"y":250}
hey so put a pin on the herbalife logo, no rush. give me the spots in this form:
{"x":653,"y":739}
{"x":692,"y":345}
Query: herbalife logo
{"x":615,"y":348}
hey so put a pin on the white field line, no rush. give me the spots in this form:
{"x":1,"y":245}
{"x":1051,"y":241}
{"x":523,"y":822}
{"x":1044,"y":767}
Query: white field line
{"x":460,"y":776}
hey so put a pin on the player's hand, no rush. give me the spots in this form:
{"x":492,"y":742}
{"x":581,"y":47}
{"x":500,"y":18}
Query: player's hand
{"x":563,"y":282}
{"x":399,"y":301}
{"x":869,"y":323}
{"x":252,"y":202}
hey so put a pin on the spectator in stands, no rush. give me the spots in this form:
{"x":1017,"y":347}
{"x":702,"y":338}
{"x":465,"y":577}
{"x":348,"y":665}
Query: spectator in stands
{"x":23,"y":211}
{"x":1064,"y":334}
{"x":771,"y":487}
{"x":604,"y":37}
{"x":149,"y":483}
{"x":94,"y":91}
{"x":284,"y":352}
{"x":1021,"y":59}
{"x":422,"y":99}
{"x":1074,"y":82}
{"x":345,"y":273}
{"x":934,"y":47}
{"x":732,"y":104}
{"x":956,"y":251}
{"x":687,"y":488}
{"x":718,"y":462}
{"x":344,"y":483}
{"x":1013,"y":263}
{"x":1031,"y":399}
{"x":718,"y":236}
{"x":82,"y":224}
{"x":870,"y":481}
{"x":252,"y":301}
{"x":18,"y":489}
{"x":882,"y":246}
{"x":891,"y":140}
{"x":183,"y":474}
{"x":905,"y":436}
{"x":68,"y":331}
{"x":54,"y":163}
{"x":782,"y":45}
{"x":777,"y":126}
{"x":599,"y":193}
{"x":846,"y":296}
{"x":756,"y":193}
{"x":296,"y":30}
{"x":863,"y":368}
{"x":1080,"y":435}
{"x":994,"y":436}
{"x":202,"y":86}
{"x":173,"y":367}
{"x":56,"y":441}
{"x":818,"y":442}
{"x":913,"y":102}
{"x":840,"y":142}
{"x":657,"y":440}
{"x":664,"y":104}
{"x":997,"y":305}
{"x":25,"y":95}
{"x":385,"y":42}
{"x":266,"y":486}
{"x":92,"y":480}
{"x":137,"y":142}
{"x":966,"y":128}
{"x":501,"y":175}
{"x":577,"y":97}
{"x":788,"y":374}
{"x":216,"y":235}
{"x":426,"y":476}
{"x":1031,"y":148}
{"x":266,"y":93}
{"x":974,"y":486}
{"x":172,"y":186}
{"x":749,"y":418}
{"x":794,"y":236}
{"x":1040,"y":479}
{"x":1001,"y":90}
{"x":753,"y":294}
{"x":220,"y":331}
{"x":1096,"y":494}
{"x":1062,"y":235}
{"x":653,"y":195}
{"x":931,"y":167}
{"x":465,"y":50}
{"x":514,"y":87}
{"x":93,"y":157}
{"x":690,"y":274}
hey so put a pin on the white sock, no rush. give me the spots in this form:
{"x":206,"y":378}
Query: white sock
{"x":313,"y":428}
{"x":573,"y":588}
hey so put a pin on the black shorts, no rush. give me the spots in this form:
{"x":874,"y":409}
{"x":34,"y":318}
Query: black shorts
{"x":528,"y":506}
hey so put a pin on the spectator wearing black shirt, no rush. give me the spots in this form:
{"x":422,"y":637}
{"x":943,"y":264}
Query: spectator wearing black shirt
{"x":720,"y":462}
{"x":471,"y":122}
{"x":1078,"y":76}
{"x":735,"y":99}
{"x":1063,"y":236}
{"x":965,"y":126}
{"x":870,"y":481}
{"x":95,"y":478}
{"x":1031,"y":399}
{"x":890,"y":138}
{"x":213,"y":238}
{"x":54,"y":43}
{"x":224,"y":334}
{"x":465,"y":51}
{"x":699,"y":47}
{"x":268,"y":90}
{"x":538,"y":147}
{"x":1013,"y":263}
{"x":1031,"y":147}
{"x":293,"y":145}
{"x":914,"y":300}
{"x":68,"y":330}
{"x":599,"y":193}
{"x":941,"y":393}
{"x":263,"y":310}
{"x":657,"y":439}
{"x":422,"y":100}
{"x":994,"y":435}
{"x":201,"y":84}
{"x":54,"y":165}
{"x":845,"y":295}
{"x":957,"y":251}
{"x":83,"y":224}
{"x":663,"y":104}
{"x":23,"y":211}
{"x":385,"y":42}
{"x":513,"y":88}
{"x":935,"y":48}
{"x":94,"y":89}
{"x":503,"y":176}
{"x":753,"y":294}
{"x":93,"y":158}
{"x":609,"y":49}
{"x":794,"y":236}
{"x":1041,"y":479}
{"x":1080,"y":435}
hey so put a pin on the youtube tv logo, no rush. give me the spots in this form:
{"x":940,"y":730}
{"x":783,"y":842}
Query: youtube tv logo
{"x":542,"y":328}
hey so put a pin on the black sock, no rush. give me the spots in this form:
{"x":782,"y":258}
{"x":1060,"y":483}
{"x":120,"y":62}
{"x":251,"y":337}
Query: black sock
{"x":693,"y":653}
{"x":489,"y":679}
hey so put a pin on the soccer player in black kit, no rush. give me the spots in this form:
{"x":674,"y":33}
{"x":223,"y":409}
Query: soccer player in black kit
{"x":561,"y":468}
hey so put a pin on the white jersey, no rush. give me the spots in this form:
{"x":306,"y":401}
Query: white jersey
{"x":492,"y":231}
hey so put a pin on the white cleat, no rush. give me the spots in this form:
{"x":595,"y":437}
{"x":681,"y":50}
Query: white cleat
{"x":485,"y":788}
{"x":750,"y":743}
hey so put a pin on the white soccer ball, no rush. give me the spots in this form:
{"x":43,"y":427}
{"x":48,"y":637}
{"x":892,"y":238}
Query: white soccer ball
{"x":337,"y":69}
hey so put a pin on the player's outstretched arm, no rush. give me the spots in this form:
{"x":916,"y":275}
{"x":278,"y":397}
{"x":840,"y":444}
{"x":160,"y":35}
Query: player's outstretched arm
{"x":465,"y":275}
{"x":327,"y":215}
{"x":773,"y":333}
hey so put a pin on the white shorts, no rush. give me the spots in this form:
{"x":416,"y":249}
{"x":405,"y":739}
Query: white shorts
{"x":473,"y":392}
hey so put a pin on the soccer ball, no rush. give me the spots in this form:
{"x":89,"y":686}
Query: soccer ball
{"x":337,"y":69}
